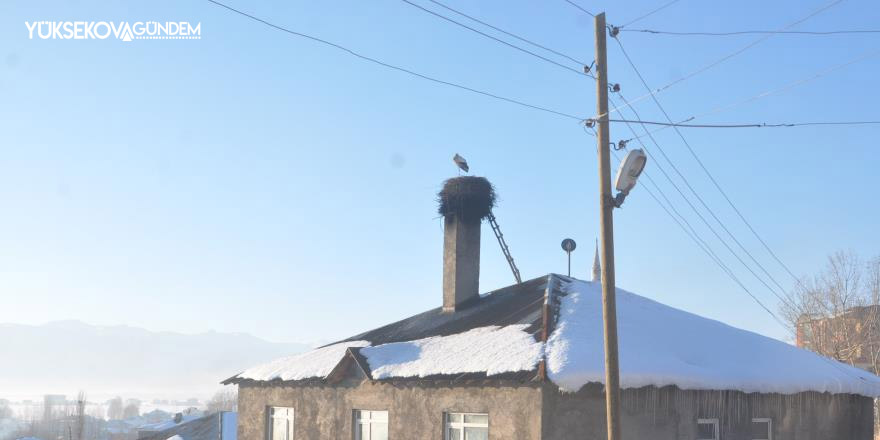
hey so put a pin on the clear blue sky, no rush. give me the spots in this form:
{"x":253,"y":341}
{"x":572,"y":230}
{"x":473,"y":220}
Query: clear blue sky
{"x":253,"y":181}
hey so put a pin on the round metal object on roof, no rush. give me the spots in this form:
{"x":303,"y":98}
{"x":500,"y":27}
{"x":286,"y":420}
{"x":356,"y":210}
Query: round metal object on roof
{"x":568,"y":245}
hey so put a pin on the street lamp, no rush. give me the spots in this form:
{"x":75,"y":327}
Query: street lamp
{"x":630,"y":169}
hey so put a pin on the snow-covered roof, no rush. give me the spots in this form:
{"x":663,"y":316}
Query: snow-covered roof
{"x":316,"y":363}
{"x":170,"y":423}
{"x":492,"y":350}
{"x":661,"y":345}
{"x":658,"y":346}
{"x":215,"y":426}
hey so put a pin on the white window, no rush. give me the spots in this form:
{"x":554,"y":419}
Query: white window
{"x":762,"y":429}
{"x":467,"y":426}
{"x":707,"y":429}
{"x":370,"y":425}
{"x":280,"y":423}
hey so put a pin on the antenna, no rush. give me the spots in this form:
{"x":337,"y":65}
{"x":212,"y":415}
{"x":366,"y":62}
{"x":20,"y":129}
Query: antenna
{"x":569,"y":245}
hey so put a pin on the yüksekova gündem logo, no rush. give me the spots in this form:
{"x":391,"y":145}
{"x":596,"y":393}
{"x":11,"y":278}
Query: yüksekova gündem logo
{"x":123,"y":30}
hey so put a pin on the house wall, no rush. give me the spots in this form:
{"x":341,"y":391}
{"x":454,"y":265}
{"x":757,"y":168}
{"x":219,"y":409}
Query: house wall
{"x":414,"y":412}
{"x":531,"y":412}
{"x":671,"y":414}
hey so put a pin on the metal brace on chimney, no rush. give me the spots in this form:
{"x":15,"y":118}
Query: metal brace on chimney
{"x":497,"y":230}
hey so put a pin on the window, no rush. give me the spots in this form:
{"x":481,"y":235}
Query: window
{"x":762,"y":429}
{"x":467,"y":426}
{"x":707,"y":429}
{"x":370,"y":425}
{"x":280,"y":423}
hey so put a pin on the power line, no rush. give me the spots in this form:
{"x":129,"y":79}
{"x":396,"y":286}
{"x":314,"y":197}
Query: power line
{"x":581,"y":8}
{"x":725,"y":34}
{"x":510,"y":34}
{"x":397,"y":68}
{"x":701,"y":217}
{"x":695,"y":235}
{"x":793,"y":84}
{"x":699,"y":198}
{"x":652,"y":92}
{"x":709,"y":251}
{"x":785,"y":87}
{"x":753,"y":125}
{"x":650,"y":13}
{"x":548,"y":60}
{"x":711,"y":178}
{"x":724,"y":267}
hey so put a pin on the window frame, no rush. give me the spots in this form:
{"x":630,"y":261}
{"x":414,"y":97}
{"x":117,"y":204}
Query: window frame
{"x":449,"y":424}
{"x":270,"y":421}
{"x":357,"y":421}
{"x":713,"y":422}
{"x":769,"y":422}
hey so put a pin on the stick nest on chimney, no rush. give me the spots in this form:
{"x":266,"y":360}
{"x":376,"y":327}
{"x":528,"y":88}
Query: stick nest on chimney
{"x":468,"y":198}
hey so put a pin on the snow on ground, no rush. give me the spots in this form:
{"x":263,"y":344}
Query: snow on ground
{"x":660,"y":345}
{"x":315,"y":363}
{"x":175,"y":437}
{"x":492,"y":350}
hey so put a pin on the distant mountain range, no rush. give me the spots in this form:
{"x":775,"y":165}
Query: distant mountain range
{"x":66,"y":356}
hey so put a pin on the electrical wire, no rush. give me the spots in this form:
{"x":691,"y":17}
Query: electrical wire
{"x":793,"y":84}
{"x":696,"y":211}
{"x":458,"y":23}
{"x":717,"y":260}
{"x":716,"y":218}
{"x":754,"y":125}
{"x":650,"y":13}
{"x":781,"y":323}
{"x":693,"y":232}
{"x":711,"y":178}
{"x":581,"y":8}
{"x":785,"y":87}
{"x":689,"y":230}
{"x":509,"y":34}
{"x":720,"y":264}
{"x":653,"y":92}
{"x":397,"y":68}
{"x":725,"y":34}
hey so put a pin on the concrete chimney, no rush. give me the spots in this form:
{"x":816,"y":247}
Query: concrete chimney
{"x":464,"y":202}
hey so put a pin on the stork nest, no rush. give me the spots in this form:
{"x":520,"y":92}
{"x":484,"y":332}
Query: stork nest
{"x":468,"y":198}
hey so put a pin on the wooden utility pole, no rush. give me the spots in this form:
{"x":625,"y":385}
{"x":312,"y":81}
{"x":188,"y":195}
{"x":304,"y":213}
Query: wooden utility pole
{"x":609,"y":306}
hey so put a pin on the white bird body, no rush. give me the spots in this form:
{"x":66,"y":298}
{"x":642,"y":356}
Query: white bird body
{"x":461,"y":162}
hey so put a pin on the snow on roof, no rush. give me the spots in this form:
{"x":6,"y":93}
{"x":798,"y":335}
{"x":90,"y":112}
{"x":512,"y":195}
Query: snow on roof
{"x":660,"y":345}
{"x":491,"y":350}
{"x":170,"y":423}
{"x":316,"y":363}
{"x":175,"y":437}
